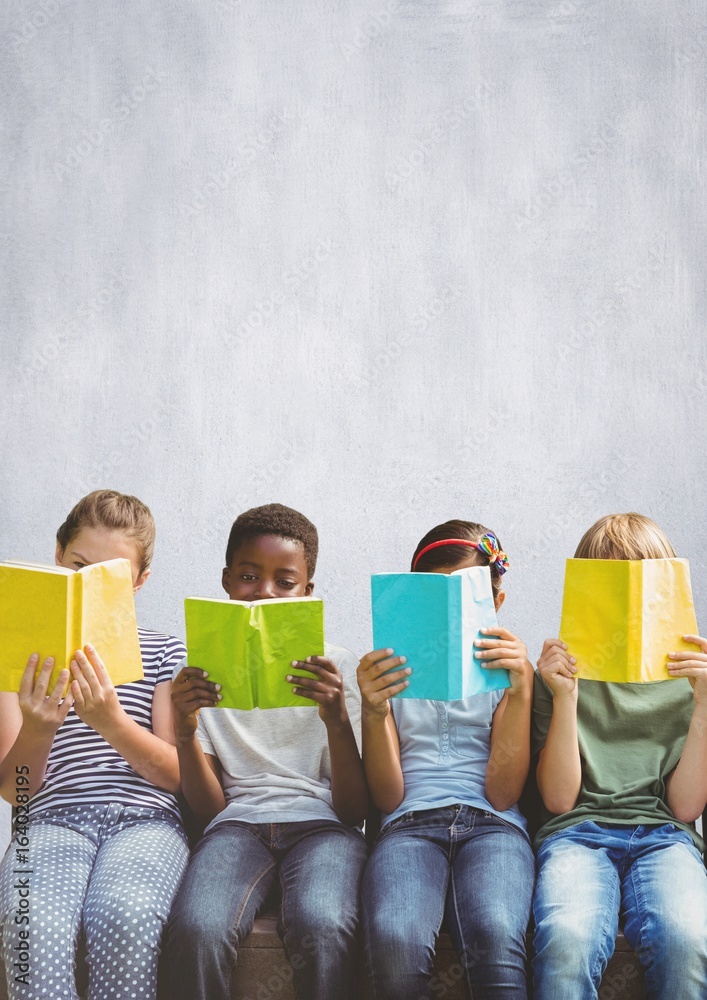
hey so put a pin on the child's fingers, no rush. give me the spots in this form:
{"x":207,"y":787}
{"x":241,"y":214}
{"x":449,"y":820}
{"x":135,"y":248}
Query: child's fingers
{"x":96,"y":662}
{"x":308,"y":683}
{"x":495,"y":654}
{"x":372,"y":658}
{"x":553,"y":644}
{"x":77,"y":695}
{"x":687,"y":654}
{"x":58,"y":689}
{"x":316,"y":661}
{"x":383,"y":666}
{"x":490,"y":643}
{"x":80,"y":680}
{"x":87,"y":672}
{"x":698,"y":640}
{"x":27,"y":681}
{"x":386,"y":680}
{"x":502,"y":633}
{"x":199,"y":701}
{"x":41,"y":685}
{"x":65,"y":706}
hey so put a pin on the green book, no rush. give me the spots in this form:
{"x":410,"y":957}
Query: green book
{"x":248,"y":647}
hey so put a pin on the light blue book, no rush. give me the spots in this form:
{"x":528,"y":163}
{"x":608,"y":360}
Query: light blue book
{"x":433,"y":619}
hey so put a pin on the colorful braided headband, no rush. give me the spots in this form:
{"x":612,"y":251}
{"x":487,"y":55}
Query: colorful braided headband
{"x":488,"y":544}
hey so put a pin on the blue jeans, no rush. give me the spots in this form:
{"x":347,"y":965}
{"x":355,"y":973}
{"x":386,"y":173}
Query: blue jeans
{"x":464,"y":865}
{"x":233,"y":870}
{"x":588,"y":875}
{"x":105,"y":872}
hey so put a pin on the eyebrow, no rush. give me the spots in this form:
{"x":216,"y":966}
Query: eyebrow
{"x":82,"y":558}
{"x":255,"y":565}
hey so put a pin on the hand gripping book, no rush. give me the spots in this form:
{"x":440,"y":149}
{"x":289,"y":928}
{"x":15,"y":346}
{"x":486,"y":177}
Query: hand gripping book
{"x":54,"y":611}
{"x":621,"y":617}
{"x":433,"y":619}
{"x":248,"y":647}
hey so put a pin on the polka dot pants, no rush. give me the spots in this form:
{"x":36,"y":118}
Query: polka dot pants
{"x":104,"y":872}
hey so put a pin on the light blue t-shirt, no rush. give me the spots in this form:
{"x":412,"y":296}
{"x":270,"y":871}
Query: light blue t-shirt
{"x":444,"y":752}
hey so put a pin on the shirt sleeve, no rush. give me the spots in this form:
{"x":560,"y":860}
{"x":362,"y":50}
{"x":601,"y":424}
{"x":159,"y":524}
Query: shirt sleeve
{"x":177,"y":666}
{"x":174,"y":654}
{"x":202,"y":734}
{"x":542,"y":713}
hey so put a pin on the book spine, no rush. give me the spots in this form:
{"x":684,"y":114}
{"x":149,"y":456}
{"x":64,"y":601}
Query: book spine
{"x":75,"y":615}
{"x":638,"y":628}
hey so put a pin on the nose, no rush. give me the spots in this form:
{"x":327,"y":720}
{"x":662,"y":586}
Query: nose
{"x":265,"y":591}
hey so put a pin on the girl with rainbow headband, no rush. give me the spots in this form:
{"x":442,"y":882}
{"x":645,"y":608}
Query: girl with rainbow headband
{"x":447,"y":776}
{"x":106,"y":844}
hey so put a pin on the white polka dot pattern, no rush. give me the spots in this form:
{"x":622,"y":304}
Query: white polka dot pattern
{"x":108,"y":873}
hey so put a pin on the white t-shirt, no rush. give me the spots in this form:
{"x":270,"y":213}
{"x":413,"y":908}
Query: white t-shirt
{"x":275,"y":764}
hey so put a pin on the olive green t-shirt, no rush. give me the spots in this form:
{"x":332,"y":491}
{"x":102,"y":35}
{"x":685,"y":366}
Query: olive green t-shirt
{"x":631,"y":737}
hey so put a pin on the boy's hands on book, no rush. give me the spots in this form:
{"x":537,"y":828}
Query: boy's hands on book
{"x":43,"y":711}
{"x":326,"y":688}
{"x":191,"y":691}
{"x":95,"y":698}
{"x":692,"y":665}
{"x":499,"y":648}
{"x":376,"y":684}
{"x":557,"y":668}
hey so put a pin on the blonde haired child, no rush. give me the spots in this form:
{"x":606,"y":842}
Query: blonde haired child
{"x":621,"y":771}
{"x":106,"y":846}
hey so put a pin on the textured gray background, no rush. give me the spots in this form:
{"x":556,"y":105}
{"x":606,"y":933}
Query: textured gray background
{"x":386,"y":264}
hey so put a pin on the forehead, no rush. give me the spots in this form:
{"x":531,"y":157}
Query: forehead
{"x":272,"y":550}
{"x":100,"y":544}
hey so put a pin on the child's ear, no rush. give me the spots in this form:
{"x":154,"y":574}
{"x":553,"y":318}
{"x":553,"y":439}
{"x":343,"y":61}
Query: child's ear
{"x":58,"y":555}
{"x":499,"y":598}
{"x":226,"y":579}
{"x":309,"y":589}
{"x":141,"y":580}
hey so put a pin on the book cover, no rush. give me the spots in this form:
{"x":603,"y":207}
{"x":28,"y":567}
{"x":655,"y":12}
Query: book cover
{"x":54,"y":611}
{"x":621,"y":617}
{"x":433,"y":620}
{"x":248,"y":647}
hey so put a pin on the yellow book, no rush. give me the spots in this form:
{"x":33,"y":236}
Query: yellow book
{"x":621,"y":617}
{"x":54,"y":611}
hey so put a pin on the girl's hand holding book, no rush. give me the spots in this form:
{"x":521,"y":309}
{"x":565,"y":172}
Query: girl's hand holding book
{"x":692,"y":665}
{"x":43,"y":711}
{"x":557,"y":668}
{"x":500,"y":648}
{"x":95,"y":698}
{"x":378,"y":685}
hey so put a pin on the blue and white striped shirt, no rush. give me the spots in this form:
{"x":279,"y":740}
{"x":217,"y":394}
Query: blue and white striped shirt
{"x":84,"y":769}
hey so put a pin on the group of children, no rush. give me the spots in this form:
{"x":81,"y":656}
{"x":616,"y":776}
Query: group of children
{"x":282,"y":796}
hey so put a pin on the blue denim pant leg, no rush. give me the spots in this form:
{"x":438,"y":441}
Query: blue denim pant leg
{"x":488,"y":906}
{"x":449,"y":860}
{"x":664,"y":895}
{"x":230,"y":874}
{"x":576,"y":912}
{"x":321,"y":868}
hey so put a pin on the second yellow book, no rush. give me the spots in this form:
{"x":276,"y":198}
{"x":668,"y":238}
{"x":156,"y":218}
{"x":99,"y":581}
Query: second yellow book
{"x":54,"y":611}
{"x":621,"y":617}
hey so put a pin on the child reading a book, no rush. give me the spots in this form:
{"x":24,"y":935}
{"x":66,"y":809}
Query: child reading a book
{"x":621,"y":771}
{"x":447,"y":776}
{"x":105,"y":846}
{"x":282,"y":791}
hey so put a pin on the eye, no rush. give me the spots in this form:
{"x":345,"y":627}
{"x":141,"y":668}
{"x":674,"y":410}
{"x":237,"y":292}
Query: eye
{"x":286,"y":584}
{"x":80,"y":565}
{"x":248,"y":577}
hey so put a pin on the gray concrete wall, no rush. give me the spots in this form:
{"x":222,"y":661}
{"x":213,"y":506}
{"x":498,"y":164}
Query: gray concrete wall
{"x":387,"y":264}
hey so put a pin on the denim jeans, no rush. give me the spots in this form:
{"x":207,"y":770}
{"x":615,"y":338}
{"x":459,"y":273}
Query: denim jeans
{"x":465,"y":865}
{"x":653,"y":876}
{"x":105,"y":872}
{"x":233,"y":870}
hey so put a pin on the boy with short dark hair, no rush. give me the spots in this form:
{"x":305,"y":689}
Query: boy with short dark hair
{"x":282,"y":795}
